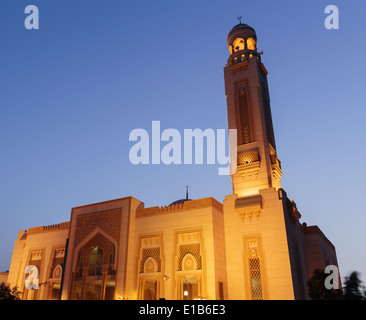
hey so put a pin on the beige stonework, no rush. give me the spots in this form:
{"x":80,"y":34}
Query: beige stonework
{"x":43,"y":247}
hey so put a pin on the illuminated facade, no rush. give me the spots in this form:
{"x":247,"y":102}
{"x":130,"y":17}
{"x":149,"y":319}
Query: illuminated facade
{"x":251,"y":246}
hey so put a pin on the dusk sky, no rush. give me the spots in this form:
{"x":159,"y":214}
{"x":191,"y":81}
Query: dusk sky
{"x":73,"y":90}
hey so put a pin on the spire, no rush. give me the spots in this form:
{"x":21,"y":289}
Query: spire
{"x":181,"y":201}
{"x":239,"y":18}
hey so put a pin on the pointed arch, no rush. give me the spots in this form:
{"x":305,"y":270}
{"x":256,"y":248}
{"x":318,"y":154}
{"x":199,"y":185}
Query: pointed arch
{"x":189,"y":262}
{"x":88,"y":238}
{"x":150,"y":265}
{"x":57,"y":272}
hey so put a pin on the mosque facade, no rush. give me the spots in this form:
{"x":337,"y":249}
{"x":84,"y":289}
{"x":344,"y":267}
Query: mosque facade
{"x":250,"y":247}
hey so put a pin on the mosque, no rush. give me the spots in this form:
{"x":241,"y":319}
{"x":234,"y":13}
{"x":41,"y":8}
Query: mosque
{"x":250,"y":247}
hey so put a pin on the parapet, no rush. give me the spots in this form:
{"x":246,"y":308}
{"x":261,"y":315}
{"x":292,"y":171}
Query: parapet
{"x":52,"y":227}
{"x":187,"y":205}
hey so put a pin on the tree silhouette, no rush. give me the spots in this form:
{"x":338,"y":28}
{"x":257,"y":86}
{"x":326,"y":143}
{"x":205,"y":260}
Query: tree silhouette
{"x":353,"y":289}
{"x":7,"y":293}
{"x":317,"y":289}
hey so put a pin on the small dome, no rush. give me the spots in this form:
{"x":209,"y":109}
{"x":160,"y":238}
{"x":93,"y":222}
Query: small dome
{"x":181,"y":201}
{"x":241,"y":28}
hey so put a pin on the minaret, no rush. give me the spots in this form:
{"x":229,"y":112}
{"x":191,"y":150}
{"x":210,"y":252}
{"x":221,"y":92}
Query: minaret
{"x":249,"y":112}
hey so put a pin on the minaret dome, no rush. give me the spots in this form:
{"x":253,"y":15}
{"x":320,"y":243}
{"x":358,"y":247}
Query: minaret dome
{"x":242,"y":43}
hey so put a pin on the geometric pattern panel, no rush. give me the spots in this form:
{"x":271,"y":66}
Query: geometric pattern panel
{"x":194,"y":250}
{"x":255,"y":279}
{"x":248,"y":158}
{"x":246,"y":136}
{"x":153,"y":253}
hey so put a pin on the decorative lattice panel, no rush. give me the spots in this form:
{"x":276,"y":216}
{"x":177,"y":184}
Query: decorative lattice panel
{"x":246,"y":136}
{"x":248,"y":158}
{"x":153,"y":253}
{"x":255,"y":279}
{"x":194,"y":250}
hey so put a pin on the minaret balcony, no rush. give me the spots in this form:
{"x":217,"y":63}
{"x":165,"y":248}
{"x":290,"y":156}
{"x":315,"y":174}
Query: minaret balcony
{"x":241,"y":56}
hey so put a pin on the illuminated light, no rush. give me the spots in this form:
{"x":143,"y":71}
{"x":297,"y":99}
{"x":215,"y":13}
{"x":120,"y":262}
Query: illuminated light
{"x":250,"y":56}
{"x":185,"y":293}
{"x":231,"y":49}
{"x":238,"y":44}
{"x":248,"y":192}
{"x":251,"y":44}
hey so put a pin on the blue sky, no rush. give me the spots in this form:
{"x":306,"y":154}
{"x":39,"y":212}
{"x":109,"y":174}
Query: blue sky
{"x":72,"y":91}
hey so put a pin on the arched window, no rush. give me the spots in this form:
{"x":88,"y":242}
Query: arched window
{"x":238,"y":44}
{"x":251,"y":44}
{"x":95,"y":262}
